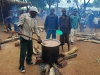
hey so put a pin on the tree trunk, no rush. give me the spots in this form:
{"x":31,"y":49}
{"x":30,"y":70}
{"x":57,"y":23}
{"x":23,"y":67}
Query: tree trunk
{"x":85,"y":4}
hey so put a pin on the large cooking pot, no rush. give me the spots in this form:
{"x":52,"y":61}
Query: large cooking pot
{"x":50,"y":51}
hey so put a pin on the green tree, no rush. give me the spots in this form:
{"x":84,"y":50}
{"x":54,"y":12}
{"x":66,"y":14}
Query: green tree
{"x":96,"y":3}
{"x":84,"y":4}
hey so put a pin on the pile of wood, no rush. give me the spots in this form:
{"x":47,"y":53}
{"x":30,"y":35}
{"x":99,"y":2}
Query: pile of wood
{"x":93,"y":37}
{"x":12,"y":38}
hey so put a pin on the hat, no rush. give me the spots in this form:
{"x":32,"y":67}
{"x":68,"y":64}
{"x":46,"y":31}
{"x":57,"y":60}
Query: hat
{"x":33,"y":9}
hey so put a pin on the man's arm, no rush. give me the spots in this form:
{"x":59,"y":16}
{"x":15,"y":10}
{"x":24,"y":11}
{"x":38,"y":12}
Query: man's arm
{"x":69,"y":23}
{"x":46,"y":23}
{"x":36,"y":29}
{"x":79,"y":21}
{"x":57,"y":22}
{"x":21,"y":22}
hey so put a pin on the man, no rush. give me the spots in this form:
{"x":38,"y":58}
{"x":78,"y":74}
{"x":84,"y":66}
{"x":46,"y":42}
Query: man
{"x":91,"y":17}
{"x":9,"y":21}
{"x":27,"y":24}
{"x":82,"y":23}
{"x":74,"y":25}
{"x":99,"y":19}
{"x":65,"y":27}
{"x":51,"y":24}
{"x":95,"y":23}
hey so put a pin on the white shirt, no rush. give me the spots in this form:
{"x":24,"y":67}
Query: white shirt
{"x":29,"y":25}
{"x":96,"y":20}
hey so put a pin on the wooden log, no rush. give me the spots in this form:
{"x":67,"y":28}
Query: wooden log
{"x":36,"y":47}
{"x":34,"y":51}
{"x":97,"y":38}
{"x":39,"y":61}
{"x":88,"y":40}
{"x":63,"y":63}
{"x":95,"y":41}
{"x":70,"y":56}
{"x":78,"y":34}
{"x":73,"y":50}
{"x":81,"y":39}
{"x":86,"y":34}
{"x":47,"y":67}
{"x":17,"y":43}
{"x":60,"y":60}
{"x":52,"y":71}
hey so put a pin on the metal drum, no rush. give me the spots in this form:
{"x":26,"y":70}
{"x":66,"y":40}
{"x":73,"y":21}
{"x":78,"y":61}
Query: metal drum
{"x":50,"y":51}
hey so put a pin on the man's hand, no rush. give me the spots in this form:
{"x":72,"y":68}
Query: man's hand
{"x":13,"y":32}
{"x":39,"y":40}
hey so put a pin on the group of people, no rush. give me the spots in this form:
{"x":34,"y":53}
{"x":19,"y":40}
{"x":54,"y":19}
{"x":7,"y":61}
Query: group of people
{"x":92,"y":20}
{"x":27,"y":25}
{"x":67,"y":24}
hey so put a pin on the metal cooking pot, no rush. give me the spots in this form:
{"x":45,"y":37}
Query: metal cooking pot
{"x":50,"y":54}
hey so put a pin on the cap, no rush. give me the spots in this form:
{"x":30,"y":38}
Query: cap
{"x":33,"y":9}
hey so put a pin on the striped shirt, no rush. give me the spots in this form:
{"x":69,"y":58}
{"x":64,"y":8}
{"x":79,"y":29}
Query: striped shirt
{"x":29,"y":25}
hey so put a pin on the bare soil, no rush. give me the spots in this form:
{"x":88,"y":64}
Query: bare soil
{"x":84,"y":64}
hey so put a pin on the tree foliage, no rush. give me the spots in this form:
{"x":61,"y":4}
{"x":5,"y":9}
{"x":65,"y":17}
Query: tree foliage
{"x":96,"y":3}
{"x":42,"y":3}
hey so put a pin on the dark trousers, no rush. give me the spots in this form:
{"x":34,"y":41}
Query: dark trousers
{"x":64,"y":38}
{"x":25,"y":45}
{"x":51,"y":32}
{"x":95,"y":26}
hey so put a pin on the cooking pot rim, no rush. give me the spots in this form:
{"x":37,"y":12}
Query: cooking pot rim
{"x":50,"y":39}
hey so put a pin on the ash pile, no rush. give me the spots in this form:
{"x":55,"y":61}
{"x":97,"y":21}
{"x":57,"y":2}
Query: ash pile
{"x":93,"y":37}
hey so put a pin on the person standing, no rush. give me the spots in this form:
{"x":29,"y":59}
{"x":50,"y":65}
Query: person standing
{"x":82,"y":23}
{"x":51,"y":24}
{"x":9,"y":21}
{"x":27,"y":24}
{"x":95,"y":23}
{"x":65,"y":27}
{"x":75,"y":21}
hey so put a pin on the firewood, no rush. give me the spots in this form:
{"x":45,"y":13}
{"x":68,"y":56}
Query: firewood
{"x":62,"y":64}
{"x":86,"y":34}
{"x":70,"y":56}
{"x":60,"y":60}
{"x":78,"y":34}
{"x":73,"y":50}
{"x":97,"y":38}
{"x":88,"y":40}
{"x":81,"y":39}
{"x":39,"y":61}
{"x":95,"y":41}
{"x":52,"y":71}
{"x":17,"y":43}
{"x":36,"y":48}
{"x":47,"y":69}
{"x":34,"y":51}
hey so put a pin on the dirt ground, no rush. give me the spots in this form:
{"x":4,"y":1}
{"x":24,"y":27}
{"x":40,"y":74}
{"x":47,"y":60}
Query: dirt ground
{"x":84,"y":64}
